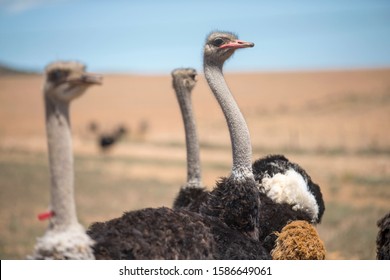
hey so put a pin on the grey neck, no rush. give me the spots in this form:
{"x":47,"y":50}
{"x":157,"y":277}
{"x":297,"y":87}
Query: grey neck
{"x":239,"y":133}
{"x":61,"y":164}
{"x":194,"y":177}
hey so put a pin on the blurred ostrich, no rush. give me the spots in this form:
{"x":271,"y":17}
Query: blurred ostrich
{"x":65,"y":237}
{"x":106,"y":140}
{"x":192,"y":194}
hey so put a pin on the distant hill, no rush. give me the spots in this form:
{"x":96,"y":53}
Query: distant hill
{"x":6,"y":70}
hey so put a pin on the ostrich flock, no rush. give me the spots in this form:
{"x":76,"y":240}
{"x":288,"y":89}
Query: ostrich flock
{"x":264,"y":209}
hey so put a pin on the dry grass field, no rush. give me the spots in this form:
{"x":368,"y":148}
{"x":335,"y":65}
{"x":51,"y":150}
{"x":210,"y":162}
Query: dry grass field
{"x":335,"y":124}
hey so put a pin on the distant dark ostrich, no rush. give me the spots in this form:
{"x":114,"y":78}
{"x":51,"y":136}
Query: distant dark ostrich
{"x":228,"y":225}
{"x":107,"y":140}
{"x":383,"y":238}
{"x":193,"y":193}
{"x":287,"y":194}
{"x":65,"y":237}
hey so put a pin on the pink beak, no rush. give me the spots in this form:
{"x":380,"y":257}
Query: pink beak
{"x":237,"y":44}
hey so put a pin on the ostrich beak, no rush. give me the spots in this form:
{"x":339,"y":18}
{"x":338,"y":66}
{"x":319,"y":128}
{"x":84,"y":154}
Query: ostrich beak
{"x":93,"y":79}
{"x":237,"y":44}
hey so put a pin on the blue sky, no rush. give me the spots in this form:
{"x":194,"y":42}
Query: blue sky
{"x":150,"y":37}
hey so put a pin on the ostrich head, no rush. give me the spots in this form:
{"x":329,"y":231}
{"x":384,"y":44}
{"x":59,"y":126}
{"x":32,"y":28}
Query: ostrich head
{"x":184,"y":77}
{"x":221,"y":45}
{"x":66,"y":80}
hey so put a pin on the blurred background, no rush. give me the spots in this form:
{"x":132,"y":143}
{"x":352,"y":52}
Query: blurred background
{"x":316,"y":87}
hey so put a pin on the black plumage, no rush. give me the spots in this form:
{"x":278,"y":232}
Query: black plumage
{"x":190,"y":198}
{"x":383,"y":238}
{"x":153,"y":233}
{"x":235,"y":203}
{"x":163,"y":233}
{"x":233,"y":245}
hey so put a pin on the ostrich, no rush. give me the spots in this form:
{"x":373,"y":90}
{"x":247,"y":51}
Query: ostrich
{"x":287,"y":193}
{"x":227,"y":227}
{"x":65,"y":237}
{"x":107,"y":140}
{"x":383,"y":238}
{"x":192,"y":194}
{"x":239,"y":200}
{"x":235,"y":200}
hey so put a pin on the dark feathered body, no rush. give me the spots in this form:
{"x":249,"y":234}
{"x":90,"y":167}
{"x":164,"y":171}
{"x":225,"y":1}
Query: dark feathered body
{"x":274,"y":216}
{"x":153,"y":233}
{"x":227,"y":228}
{"x":233,"y":208}
{"x":236,"y":203}
{"x":383,"y":238}
{"x":190,"y":198}
{"x":107,"y":140}
{"x":163,"y":233}
{"x":233,"y":245}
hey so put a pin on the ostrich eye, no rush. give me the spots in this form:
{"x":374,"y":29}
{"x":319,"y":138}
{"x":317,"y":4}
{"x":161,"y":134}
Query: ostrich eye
{"x":218,"y":42}
{"x":57,"y":75}
{"x":192,"y":76}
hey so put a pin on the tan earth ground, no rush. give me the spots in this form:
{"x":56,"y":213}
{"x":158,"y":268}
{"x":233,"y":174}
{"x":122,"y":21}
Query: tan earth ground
{"x":335,"y":124}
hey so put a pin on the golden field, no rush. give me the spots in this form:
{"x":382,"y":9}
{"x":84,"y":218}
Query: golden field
{"x":335,"y":124}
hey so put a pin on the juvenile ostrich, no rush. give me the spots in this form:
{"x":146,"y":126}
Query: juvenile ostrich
{"x":192,"y":194}
{"x":383,"y":238}
{"x":227,"y":227}
{"x":65,"y":237}
{"x":287,"y":194}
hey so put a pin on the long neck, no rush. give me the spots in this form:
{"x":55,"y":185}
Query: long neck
{"x":194,"y":177}
{"x":61,"y":164}
{"x":239,"y":133}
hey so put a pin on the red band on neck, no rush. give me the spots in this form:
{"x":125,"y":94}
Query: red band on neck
{"x":45,"y":215}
